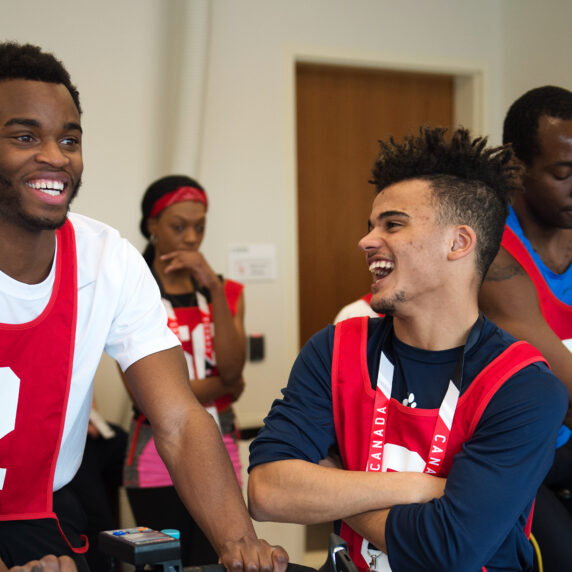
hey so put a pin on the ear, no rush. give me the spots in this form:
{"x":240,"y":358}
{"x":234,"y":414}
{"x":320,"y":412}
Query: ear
{"x":463,"y":241}
{"x":152,"y":225}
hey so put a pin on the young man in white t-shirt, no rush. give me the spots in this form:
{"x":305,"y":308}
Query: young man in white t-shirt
{"x":70,"y":288}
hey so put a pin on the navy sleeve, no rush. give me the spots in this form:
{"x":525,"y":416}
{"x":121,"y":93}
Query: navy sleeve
{"x":491,"y":485}
{"x":300,"y":425}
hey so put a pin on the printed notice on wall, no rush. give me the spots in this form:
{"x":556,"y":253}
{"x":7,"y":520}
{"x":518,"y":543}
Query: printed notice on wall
{"x":247,"y":262}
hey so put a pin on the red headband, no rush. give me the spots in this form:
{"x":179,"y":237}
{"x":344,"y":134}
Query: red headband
{"x":178,"y":195}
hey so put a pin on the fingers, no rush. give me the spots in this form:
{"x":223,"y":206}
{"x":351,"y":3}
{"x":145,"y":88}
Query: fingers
{"x":279,"y":559}
{"x":48,"y":563}
{"x":192,"y":261}
{"x":254,"y":555}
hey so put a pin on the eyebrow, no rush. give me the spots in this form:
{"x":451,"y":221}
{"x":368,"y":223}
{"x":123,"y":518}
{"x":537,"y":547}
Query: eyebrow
{"x":384,"y":215}
{"x":71,"y":125}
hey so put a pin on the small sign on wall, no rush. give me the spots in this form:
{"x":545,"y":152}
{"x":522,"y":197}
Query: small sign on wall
{"x":249,"y":262}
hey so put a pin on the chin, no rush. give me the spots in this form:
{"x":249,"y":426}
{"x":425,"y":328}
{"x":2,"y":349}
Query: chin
{"x":43,"y":223}
{"x":387,"y":305}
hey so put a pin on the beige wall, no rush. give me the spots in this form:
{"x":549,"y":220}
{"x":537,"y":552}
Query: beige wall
{"x":121,"y":52}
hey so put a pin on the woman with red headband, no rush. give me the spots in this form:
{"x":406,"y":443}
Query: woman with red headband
{"x":207,"y":314}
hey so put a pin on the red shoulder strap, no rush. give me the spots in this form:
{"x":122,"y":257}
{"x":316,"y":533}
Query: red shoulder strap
{"x":557,"y":314}
{"x":232,"y":291}
{"x":516,"y":357}
{"x":349,"y":365}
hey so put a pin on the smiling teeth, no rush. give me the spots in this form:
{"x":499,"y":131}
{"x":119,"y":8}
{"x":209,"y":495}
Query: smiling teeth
{"x":48,"y":186}
{"x":381,"y":265}
{"x":381,"y":268}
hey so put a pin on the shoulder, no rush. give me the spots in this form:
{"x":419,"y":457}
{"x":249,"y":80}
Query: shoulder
{"x":87,"y":228}
{"x":101,"y":250}
{"x":503,"y":267}
{"x":358,"y":308}
{"x":531,"y":386}
{"x":231,"y":285}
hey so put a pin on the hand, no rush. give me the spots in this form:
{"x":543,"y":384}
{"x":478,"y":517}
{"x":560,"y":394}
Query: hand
{"x":253,"y":554}
{"x":193,"y":262}
{"x":48,"y":563}
{"x":235,"y":389}
{"x":92,"y":430}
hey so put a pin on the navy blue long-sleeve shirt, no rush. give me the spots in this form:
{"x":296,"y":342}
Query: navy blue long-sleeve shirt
{"x":494,"y":478}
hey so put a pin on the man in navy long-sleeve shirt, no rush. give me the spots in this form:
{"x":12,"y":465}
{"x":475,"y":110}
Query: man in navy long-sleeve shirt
{"x":444,"y":424}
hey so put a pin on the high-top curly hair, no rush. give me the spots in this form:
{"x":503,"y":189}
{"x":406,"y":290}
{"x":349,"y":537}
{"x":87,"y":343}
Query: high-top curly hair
{"x":520,"y":126}
{"x":471,"y":183}
{"x":26,"y":61}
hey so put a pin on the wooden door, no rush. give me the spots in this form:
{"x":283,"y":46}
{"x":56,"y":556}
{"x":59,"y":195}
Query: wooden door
{"x":341,"y":114}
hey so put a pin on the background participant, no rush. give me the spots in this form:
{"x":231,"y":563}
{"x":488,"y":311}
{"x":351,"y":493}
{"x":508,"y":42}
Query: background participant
{"x":528,"y":288}
{"x":207,"y":314}
{"x":359,"y":307}
{"x":433,"y":388}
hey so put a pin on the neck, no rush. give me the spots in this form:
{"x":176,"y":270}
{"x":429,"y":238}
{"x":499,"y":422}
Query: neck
{"x":26,"y":256}
{"x":536,"y":230}
{"x":553,"y":244}
{"x":436,"y":331}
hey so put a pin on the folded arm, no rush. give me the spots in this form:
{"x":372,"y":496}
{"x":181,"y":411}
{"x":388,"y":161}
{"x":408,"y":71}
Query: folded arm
{"x":306,"y":493}
{"x":490,"y":487}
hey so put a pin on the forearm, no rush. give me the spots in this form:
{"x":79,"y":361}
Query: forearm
{"x":229,"y":338}
{"x":205,"y":479}
{"x":210,"y":388}
{"x":371,"y":525}
{"x":304,"y":493}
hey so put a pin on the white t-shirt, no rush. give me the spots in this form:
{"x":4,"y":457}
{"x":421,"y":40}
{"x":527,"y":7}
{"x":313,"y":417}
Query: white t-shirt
{"x":358,"y":308}
{"x":119,"y":312}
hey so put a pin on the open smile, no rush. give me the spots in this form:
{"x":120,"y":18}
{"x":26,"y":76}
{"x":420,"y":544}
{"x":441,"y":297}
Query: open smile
{"x":51,"y":190}
{"x":381,"y":268}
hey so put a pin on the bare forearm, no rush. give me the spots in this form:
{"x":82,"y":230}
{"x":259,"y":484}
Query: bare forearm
{"x":210,"y":388}
{"x":205,"y":479}
{"x":371,"y":525}
{"x":305,"y":493}
{"x":229,"y":340}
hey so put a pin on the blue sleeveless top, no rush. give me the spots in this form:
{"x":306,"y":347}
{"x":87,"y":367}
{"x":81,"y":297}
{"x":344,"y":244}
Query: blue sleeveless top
{"x":560,"y":284}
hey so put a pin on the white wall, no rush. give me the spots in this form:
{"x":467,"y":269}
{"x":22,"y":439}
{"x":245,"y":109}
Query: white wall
{"x":537,"y":46}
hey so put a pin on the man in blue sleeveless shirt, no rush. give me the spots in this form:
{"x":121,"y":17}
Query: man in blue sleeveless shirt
{"x":528,"y":289}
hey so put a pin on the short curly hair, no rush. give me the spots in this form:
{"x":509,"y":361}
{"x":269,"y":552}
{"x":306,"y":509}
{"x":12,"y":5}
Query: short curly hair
{"x":26,"y":61}
{"x":471,"y":183}
{"x":520,"y":126}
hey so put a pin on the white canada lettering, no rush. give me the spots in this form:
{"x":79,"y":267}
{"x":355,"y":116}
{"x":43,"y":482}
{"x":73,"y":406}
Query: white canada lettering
{"x":436,"y":449}
{"x":376,"y":456}
{"x":441,"y":438}
{"x":373,"y":467}
{"x":434,"y":461}
{"x":378,"y":432}
{"x":377,"y":444}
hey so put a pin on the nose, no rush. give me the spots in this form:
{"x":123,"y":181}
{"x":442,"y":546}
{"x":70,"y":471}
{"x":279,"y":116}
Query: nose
{"x":369,"y":242}
{"x":52,"y":154}
{"x":191,"y":236}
